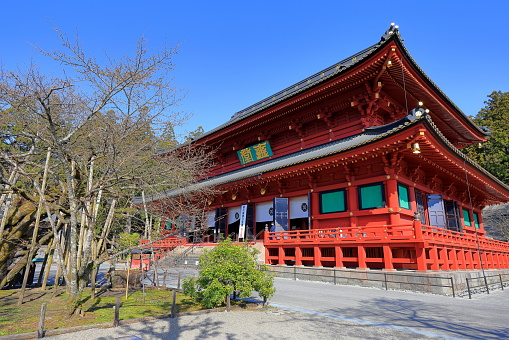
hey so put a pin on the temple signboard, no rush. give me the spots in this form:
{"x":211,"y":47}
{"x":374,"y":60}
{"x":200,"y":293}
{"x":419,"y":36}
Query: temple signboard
{"x":254,"y":153}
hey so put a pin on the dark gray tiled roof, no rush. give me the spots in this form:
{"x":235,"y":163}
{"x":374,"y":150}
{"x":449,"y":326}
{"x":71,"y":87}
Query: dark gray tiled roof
{"x":392,"y":34}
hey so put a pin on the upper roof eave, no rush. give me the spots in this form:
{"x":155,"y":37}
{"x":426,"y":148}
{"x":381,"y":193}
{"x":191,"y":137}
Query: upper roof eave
{"x":391,"y":35}
{"x":316,"y":79}
{"x":399,"y":40}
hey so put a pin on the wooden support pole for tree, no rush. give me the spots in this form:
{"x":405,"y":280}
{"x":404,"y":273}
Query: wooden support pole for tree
{"x":40,"y":328}
{"x":94,"y":272}
{"x":36,"y":228}
{"x":8,"y":198}
{"x":127,"y":277}
{"x":44,"y":261}
{"x":147,"y":221}
{"x":63,"y":256}
{"x":117,"y":313}
{"x":43,"y":278}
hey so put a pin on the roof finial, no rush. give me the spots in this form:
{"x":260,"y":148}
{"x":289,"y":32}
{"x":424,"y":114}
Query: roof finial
{"x":392,"y":29}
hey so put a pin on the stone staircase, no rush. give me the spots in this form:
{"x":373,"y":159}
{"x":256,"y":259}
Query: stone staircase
{"x":186,"y":257}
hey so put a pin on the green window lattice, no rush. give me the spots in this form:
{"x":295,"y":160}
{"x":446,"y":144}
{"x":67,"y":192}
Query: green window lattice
{"x":332,"y":201}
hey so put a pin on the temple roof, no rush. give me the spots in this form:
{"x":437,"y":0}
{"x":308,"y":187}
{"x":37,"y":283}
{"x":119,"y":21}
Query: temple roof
{"x":391,"y":35}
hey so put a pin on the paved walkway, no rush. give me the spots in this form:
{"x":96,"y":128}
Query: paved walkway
{"x":486,"y":316}
{"x":323,"y":311}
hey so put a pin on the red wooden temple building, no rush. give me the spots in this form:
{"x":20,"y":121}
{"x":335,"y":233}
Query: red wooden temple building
{"x":360,"y":166}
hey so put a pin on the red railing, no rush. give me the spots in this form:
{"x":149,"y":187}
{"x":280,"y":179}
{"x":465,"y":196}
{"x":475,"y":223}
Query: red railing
{"x":168,"y":242}
{"x":411,"y":232}
{"x":444,"y":236}
{"x":404,"y":232}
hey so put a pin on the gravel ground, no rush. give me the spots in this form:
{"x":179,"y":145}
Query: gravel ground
{"x":272,"y":323}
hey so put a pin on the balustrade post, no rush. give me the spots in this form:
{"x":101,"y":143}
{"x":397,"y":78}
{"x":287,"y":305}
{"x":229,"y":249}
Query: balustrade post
{"x":417,"y":226}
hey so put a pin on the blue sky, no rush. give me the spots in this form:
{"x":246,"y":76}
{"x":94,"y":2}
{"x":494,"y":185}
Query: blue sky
{"x":235,"y":53}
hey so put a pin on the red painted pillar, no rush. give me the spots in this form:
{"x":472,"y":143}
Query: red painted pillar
{"x":298,"y":256}
{"x":388,"y":265}
{"x":315,"y":208}
{"x":420,"y":253}
{"x":498,"y":263}
{"x":454,"y":257}
{"x":280,"y":256}
{"x":361,"y":257}
{"x":353,"y":204}
{"x":434,"y":258}
{"x":339,"y":257}
{"x":392,"y":198}
{"x":317,"y":256}
{"x":484,"y":260}
{"x":477,"y":262}
{"x":462,"y":260}
{"x":470,"y":259}
{"x":444,"y":258}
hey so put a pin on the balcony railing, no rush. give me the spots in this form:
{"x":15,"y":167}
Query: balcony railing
{"x":404,"y":232}
{"x":410,"y":232}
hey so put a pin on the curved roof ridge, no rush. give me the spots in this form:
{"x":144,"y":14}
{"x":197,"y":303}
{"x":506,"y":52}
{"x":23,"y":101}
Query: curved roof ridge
{"x":306,"y":83}
{"x":414,"y":64}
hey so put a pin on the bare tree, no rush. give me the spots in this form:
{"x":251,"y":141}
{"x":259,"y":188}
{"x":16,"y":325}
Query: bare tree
{"x":101,"y":121}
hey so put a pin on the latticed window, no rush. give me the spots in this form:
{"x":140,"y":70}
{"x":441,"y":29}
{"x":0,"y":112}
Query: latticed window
{"x":333,"y":201}
{"x":371,"y":196}
{"x":404,"y":196}
{"x":466,"y":218}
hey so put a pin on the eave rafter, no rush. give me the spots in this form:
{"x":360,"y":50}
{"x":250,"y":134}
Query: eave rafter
{"x":416,"y":89}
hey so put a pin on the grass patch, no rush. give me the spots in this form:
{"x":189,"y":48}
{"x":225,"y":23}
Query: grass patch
{"x":25,"y":318}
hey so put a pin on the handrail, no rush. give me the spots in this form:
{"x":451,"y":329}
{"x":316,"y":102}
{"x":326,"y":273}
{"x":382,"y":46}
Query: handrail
{"x":399,"y":232}
{"x":441,"y":234}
